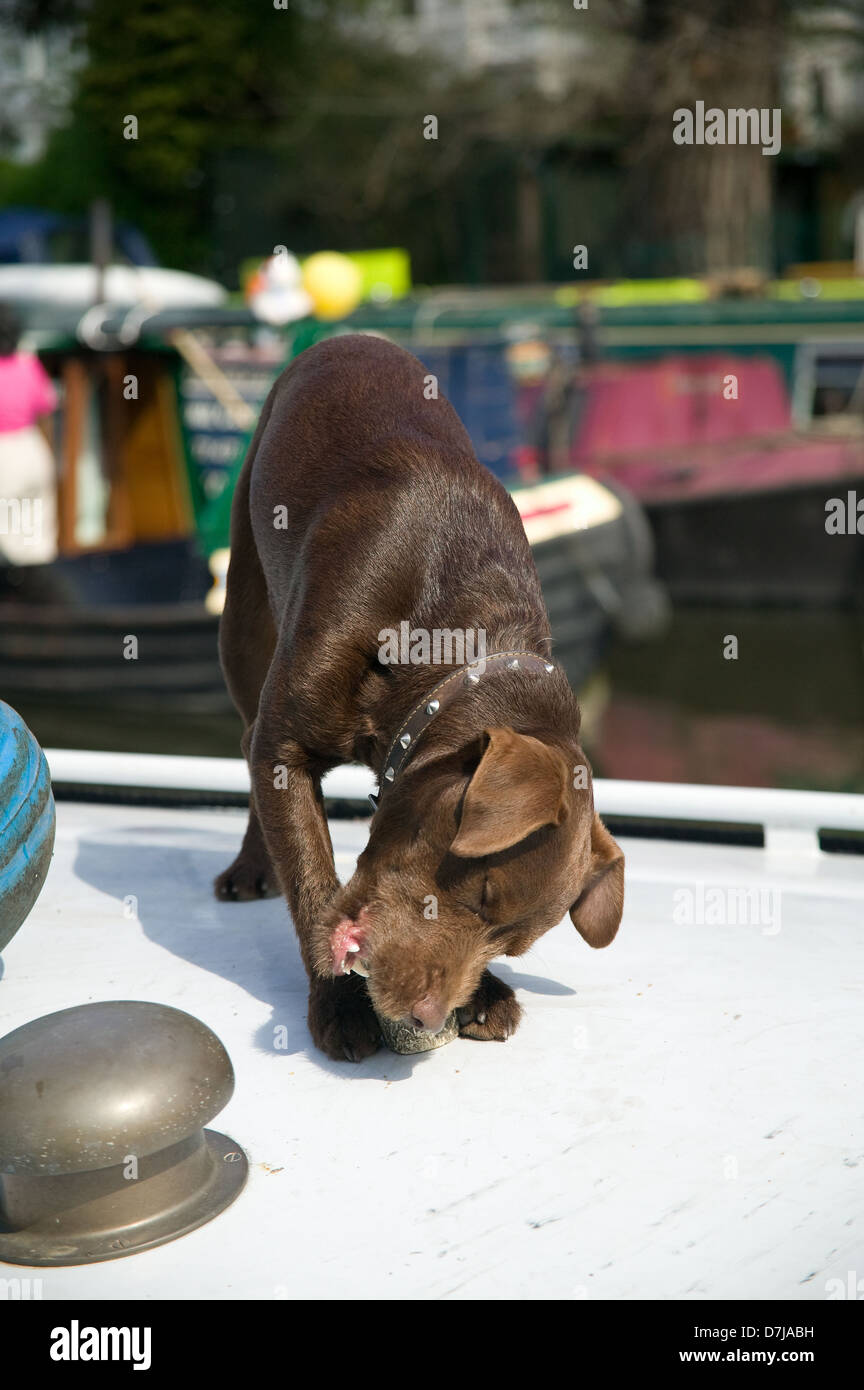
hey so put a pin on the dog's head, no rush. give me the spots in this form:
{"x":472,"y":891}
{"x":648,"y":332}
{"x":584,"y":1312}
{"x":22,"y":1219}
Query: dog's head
{"x":458,"y":873}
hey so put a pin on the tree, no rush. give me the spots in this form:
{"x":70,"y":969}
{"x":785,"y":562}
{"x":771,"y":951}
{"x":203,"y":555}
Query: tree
{"x":709,"y":208}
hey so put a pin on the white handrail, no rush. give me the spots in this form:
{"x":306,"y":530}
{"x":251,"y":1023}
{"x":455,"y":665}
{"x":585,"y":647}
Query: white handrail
{"x":773,"y":808}
{"x":763,"y":806}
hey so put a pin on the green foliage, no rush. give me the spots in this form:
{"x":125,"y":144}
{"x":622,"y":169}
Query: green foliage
{"x":34,"y":16}
{"x":259,"y":126}
{"x":194,"y":75}
{"x":328,"y":119}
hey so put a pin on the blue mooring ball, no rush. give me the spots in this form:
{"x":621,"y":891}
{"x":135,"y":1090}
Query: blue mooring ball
{"x":26,"y":821}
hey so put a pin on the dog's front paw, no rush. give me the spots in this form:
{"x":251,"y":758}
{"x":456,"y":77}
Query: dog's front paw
{"x":248,"y":878}
{"x":493,"y":1014}
{"x":341,"y":1019}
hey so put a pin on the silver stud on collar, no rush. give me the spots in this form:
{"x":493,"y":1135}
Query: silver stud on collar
{"x":471,"y":679}
{"x":432,"y":707}
{"x":405,"y":740}
{"x":389,"y":774}
{"x":513,"y":665}
{"x":548,"y":667}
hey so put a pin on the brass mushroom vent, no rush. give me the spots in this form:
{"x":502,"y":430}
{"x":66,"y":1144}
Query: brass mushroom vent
{"x":103,"y":1150}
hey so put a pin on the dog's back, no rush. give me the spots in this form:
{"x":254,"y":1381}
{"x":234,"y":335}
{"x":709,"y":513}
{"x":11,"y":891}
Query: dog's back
{"x":361,"y":465}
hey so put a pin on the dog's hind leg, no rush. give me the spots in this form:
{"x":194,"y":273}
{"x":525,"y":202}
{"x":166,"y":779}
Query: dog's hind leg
{"x":247,"y":637}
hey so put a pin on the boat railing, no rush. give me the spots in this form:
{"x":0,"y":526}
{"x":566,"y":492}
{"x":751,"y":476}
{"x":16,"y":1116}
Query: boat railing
{"x":786,"y":822}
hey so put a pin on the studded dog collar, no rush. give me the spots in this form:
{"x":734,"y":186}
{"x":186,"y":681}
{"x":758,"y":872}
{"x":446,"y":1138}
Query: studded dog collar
{"x":443,"y":694}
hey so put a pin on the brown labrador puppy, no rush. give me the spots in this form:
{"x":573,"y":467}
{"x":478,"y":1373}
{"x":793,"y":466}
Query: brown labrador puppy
{"x":361,"y":507}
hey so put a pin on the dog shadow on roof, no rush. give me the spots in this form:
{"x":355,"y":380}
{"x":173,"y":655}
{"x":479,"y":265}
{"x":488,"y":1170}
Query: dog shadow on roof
{"x":163,"y":885}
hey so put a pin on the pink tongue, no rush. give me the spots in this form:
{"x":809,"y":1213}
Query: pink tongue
{"x":345,"y":946}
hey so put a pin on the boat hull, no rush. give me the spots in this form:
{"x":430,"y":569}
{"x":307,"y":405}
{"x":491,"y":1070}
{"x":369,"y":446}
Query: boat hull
{"x":757,"y":549}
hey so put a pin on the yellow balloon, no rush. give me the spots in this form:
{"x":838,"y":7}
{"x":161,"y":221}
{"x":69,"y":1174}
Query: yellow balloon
{"x":334,"y":284}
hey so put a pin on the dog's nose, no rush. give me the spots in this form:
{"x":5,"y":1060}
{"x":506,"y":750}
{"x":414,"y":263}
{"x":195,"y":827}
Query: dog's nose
{"x":428,"y":1015}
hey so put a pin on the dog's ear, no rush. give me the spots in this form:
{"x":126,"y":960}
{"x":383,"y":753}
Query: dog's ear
{"x":519,"y":785}
{"x":596,"y":913}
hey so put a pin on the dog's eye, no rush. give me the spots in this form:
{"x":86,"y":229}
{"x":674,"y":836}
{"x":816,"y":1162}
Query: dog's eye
{"x":487,"y":902}
{"x":478,"y":908}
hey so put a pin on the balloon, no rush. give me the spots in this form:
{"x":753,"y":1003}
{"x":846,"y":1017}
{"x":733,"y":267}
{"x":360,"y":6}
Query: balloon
{"x":334,"y":284}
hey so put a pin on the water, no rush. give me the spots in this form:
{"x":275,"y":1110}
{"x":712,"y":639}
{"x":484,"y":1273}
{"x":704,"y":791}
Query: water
{"x":787,"y":712}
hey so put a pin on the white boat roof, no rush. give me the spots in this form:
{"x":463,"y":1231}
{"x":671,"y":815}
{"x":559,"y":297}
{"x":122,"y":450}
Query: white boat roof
{"x":122,"y":285}
{"x":676,"y":1118}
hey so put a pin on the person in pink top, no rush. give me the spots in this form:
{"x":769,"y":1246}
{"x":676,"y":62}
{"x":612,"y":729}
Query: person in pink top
{"x":28,"y":477}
